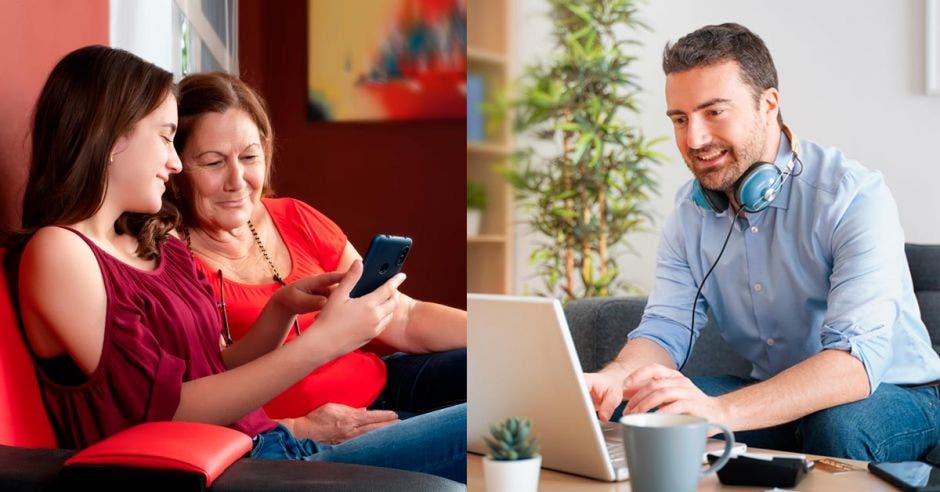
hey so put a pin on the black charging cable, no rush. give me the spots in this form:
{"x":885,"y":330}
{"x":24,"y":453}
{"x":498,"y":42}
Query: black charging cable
{"x":688,"y":351}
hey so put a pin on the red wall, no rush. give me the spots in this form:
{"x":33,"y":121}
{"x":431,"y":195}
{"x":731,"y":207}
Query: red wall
{"x":34,"y":35}
{"x":405,"y":178}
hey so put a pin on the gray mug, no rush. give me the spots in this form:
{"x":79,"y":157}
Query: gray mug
{"x":664,"y":452}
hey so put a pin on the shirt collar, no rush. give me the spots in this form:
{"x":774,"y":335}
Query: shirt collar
{"x":784,"y":155}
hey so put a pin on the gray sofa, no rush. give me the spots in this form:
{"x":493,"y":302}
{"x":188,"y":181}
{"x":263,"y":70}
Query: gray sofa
{"x":599,"y":326}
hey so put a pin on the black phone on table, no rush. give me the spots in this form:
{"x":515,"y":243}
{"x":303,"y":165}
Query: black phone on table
{"x":383,"y":260}
{"x":908,"y":475}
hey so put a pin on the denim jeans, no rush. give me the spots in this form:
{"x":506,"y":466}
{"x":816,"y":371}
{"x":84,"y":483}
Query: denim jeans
{"x":893,"y":424}
{"x":434,"y":443}
{"x":419,"y":383}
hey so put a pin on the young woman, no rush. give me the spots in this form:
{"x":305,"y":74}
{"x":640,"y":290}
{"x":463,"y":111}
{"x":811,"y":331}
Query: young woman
{"x":120,"y":323}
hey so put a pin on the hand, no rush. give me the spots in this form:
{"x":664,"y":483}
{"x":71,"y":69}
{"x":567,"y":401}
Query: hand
{"x":307,"y":294}
{"x":670,"y":392}
{"x":354,"y":322}
{"x":606,"y":391}
{"x":334,"y":423}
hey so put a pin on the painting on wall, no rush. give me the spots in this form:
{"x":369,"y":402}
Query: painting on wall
{"x":373,"y":60}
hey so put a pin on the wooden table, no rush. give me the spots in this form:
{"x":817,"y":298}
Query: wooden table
{"x":818,"y":480}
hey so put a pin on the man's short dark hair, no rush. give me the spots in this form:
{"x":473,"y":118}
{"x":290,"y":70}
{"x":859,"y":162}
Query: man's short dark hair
{"x":720,"y":43}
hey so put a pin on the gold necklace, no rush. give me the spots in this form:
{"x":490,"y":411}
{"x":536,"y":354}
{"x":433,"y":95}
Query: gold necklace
{"x":277,"y":275}
{"x":254,"y":233}
{"x":264,"y":252}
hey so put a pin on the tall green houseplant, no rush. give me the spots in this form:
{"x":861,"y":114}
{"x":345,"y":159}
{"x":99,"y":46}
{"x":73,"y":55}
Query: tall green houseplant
{"x":593,"y":189}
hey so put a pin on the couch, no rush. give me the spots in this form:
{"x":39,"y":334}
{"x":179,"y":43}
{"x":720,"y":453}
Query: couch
{"x":30,"y":460}
{"x":599,"y":326}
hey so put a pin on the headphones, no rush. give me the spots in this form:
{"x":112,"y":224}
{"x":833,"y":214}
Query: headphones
{"x":755,"y":189}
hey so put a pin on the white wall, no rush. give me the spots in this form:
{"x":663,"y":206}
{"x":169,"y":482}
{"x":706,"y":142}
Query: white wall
{"x":851,"y":76}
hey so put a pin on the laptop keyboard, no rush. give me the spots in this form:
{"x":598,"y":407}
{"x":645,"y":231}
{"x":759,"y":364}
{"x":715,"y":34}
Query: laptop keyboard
{"x":613,"y":436}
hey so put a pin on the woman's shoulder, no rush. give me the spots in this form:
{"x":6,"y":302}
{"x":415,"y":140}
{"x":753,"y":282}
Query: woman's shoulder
{"x":58,"y":249}
{"x":301,"y":224}
{"x":57,"y":259}
{"x":300,"y":215}
{"x":60,"y":282}
{"x":289,"y":206}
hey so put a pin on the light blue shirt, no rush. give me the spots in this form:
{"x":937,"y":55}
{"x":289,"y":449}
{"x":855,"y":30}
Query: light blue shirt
{"x":823,"y":267}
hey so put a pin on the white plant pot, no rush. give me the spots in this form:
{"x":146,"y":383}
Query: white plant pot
{"x":474,"y":217}
{"x":512,"y":476}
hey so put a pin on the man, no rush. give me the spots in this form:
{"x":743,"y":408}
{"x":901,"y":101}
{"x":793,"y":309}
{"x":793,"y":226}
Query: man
{"x":814,"y":290}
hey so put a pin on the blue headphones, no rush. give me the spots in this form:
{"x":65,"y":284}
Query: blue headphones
{"x":755,"y":189}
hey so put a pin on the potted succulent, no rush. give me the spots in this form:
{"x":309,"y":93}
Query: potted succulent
{"x":476,"y":203}
{"x":513,"y":463}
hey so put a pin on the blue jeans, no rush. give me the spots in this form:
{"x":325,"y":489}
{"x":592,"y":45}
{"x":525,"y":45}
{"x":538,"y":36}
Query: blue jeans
{"x":893,"y":424}
{"x":434,"y":443}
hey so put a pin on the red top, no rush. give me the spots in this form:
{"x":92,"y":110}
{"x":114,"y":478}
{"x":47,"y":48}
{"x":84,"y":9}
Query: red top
{"x":161,"y":328}
{"x":315,"y":244}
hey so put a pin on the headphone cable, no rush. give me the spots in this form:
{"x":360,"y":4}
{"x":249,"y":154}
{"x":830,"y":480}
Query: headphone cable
{"x":688,"y":351}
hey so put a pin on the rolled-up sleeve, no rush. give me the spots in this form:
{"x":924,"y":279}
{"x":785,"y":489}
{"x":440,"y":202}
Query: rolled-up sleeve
{"x":866,"y":281}
{"x":668,"y":314}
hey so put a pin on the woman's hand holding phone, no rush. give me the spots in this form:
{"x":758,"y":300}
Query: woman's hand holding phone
{"x":353,"y":322}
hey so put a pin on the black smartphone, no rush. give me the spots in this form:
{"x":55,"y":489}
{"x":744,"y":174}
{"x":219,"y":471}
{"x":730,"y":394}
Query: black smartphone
{"x":908,"y":475}
{"x":383,"y":260}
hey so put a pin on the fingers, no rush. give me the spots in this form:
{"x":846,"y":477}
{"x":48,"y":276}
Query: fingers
{"x":368,"y":417}
{"x":358,"y":431}
{"x":320,"y":284}
{"x":384,"y":300}
{"x":658,"y":399}
{"x":358,"y":421}
{"x":605,"y":394}
{"x":652,"y":371}
{"x":644,"y":375}
{"x":674,"y":408}
{"x":349,"y":279}
{"x":319,"y":302}
{"x":608,"y":405}
{"x":596,"y":391}
{"x":389,"y":288}
{"x":650,"y":387}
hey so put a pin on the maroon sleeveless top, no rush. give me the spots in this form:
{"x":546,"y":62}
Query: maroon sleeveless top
{"x":162,"y":328}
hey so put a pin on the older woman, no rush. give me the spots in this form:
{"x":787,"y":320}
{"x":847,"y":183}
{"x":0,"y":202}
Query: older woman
{"x":249,"y":245}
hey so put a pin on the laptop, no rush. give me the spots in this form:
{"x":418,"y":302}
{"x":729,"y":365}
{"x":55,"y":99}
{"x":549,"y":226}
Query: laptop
{"x":522,"y":362}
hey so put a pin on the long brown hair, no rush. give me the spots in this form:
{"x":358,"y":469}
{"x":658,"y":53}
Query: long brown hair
{"x":216,"y":92}
{"x":93,"y":96}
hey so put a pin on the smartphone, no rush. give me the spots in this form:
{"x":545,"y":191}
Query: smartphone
{"x":383,"y":260}
{"x":908,"y":475}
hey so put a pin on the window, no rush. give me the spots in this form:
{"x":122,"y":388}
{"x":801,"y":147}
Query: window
{"x":206,"y":32}
{"x":182,"y":36}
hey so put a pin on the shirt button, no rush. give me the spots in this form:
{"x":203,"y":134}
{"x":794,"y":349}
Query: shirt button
{"x":758,"y":287}
{"x":754,"y":229}
{"x":770,"y":341}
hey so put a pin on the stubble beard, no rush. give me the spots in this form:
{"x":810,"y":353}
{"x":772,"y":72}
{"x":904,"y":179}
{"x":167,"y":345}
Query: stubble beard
{"x":724,"y":178}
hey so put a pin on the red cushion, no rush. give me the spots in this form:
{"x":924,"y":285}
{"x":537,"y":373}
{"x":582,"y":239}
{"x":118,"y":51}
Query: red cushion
{"x":23,"y":420}
{"x":187,"y":446}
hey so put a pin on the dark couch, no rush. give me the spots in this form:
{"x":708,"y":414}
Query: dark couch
{"x":599,"y":326}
